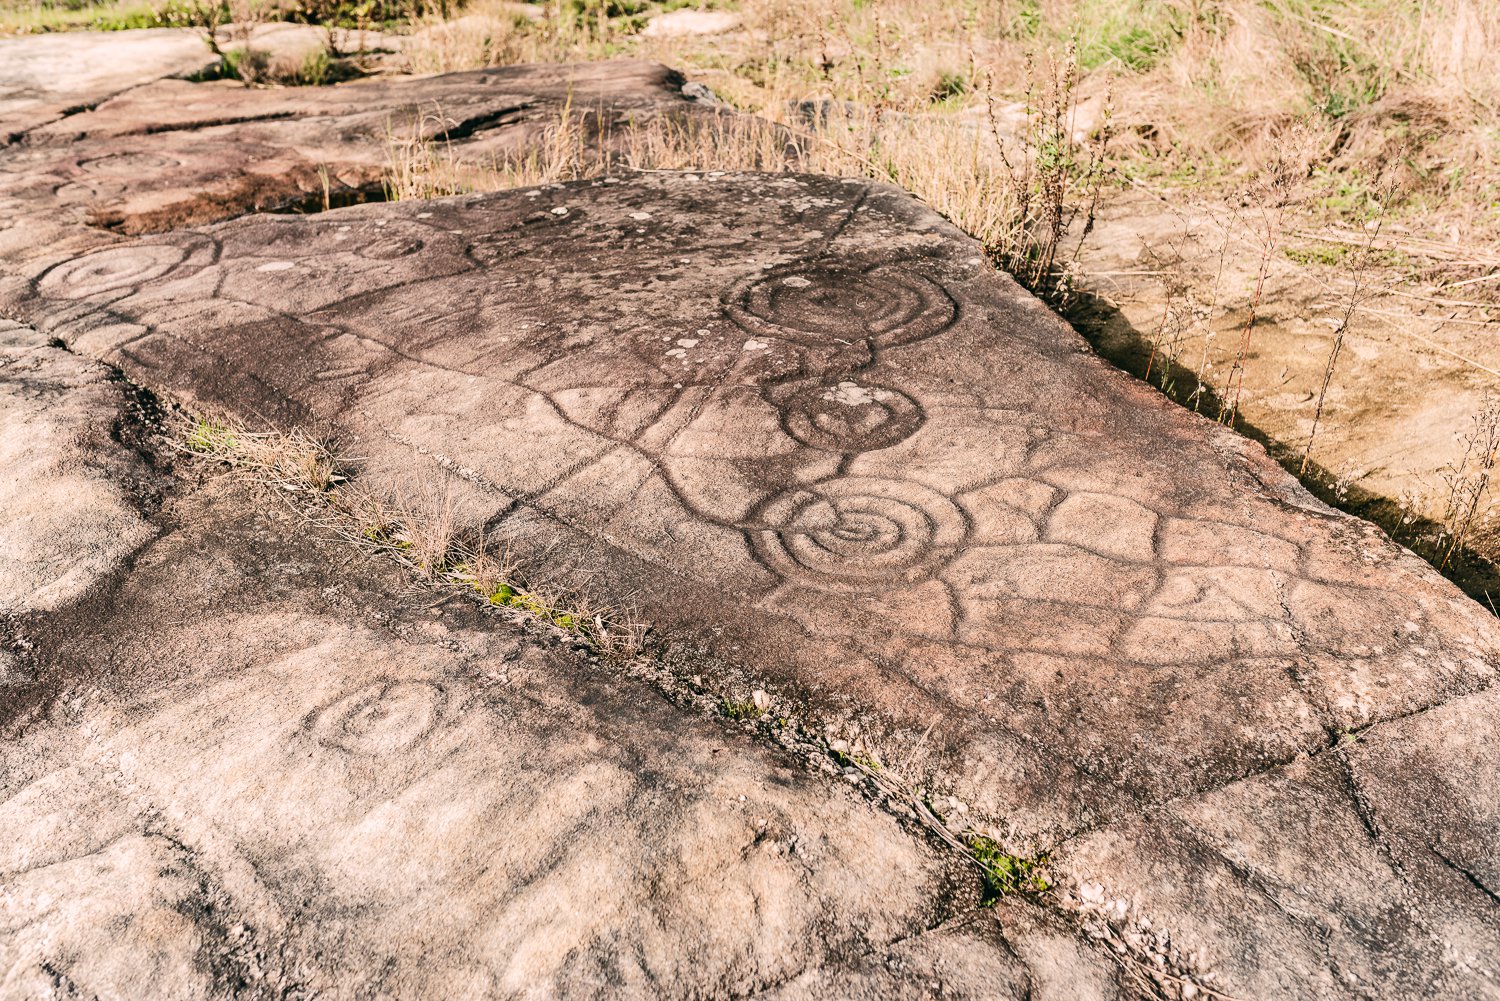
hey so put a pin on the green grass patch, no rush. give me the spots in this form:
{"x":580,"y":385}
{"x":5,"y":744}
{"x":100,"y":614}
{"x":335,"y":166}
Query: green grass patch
{"x":1007,"y":875}
{"x":40,"y":18}
{"x":1134,"y":34}
{"x":212,"y":437}
{"x":740,"y":709}
{"x":1327,"y":254}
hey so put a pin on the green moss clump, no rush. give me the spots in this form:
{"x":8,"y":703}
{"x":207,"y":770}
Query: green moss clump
{"x":1008,"y":875}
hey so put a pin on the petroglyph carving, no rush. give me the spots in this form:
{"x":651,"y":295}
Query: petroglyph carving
{"x":817,"y":305}
{"x":111,"y":270}
{"x":382,"y":717}
{"x":858,"y":531}
{"x":850,"y":416}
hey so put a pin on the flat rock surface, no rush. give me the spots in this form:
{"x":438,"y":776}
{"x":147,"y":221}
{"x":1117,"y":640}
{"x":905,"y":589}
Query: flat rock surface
{"x":691,"y":22}
{"x":74,"y":498}
{"x":824,"y":447}
{"x":299,"y":783}
{"x":175,"y":152}
{"x":45,"y":77}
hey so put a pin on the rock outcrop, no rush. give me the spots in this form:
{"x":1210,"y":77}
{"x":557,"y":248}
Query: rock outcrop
{"x":47,"y":77}
{"x":806,"y":426}
{"x":175,"y":152}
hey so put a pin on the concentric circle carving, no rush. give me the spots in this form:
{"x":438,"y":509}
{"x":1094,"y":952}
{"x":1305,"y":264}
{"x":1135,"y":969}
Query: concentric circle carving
{"x":111,"y":270}
{"x":858,"y":531}
{"x":850,"y":416}
{"x":818,"y":304}
{"x":382,"y":717}
{"x":127,"y":163}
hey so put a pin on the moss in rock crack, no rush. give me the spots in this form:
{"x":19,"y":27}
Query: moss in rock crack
{"x":1005,"y":874}
{"x":507,"y":596}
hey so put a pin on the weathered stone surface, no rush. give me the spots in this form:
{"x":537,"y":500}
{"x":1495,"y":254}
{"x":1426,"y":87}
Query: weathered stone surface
{"x":175,"y":152}
{"x":821,"y":441}
{"x":73,"y":498}
{"x":691,"y":22}
{"x":826,"y":442}
{"x":267,"y":777}
{"x":45,"y":77}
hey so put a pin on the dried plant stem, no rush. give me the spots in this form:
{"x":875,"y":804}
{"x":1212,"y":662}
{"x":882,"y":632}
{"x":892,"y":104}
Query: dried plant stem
{"x":1359,"y":292}
{"x":1356,"y":297}
{"x":1469,"y":479}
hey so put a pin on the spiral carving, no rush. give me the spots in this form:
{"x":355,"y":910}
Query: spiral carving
{"x":127,"y":164}
{"x":111,"y":270}
{"x":382,"y":717}
{"x":858,"y":531}
{"x":815,"y":305}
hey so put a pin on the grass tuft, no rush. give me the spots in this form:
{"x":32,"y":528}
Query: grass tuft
{"x":739,"y":709}
{"x":295,"y":462}
{"x":420,"y":528}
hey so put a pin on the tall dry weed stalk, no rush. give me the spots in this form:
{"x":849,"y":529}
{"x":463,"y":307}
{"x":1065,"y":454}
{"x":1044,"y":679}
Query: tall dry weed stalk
{"x":1470,"y":477}
{"x":1055,"y":177}
{"x":1359,"y":266}
{"x":1263,"y":213}
{"x":1176,"y":314}
{"x":418,"y":161}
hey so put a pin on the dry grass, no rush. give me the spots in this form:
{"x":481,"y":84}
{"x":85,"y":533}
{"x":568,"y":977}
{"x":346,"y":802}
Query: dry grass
{"x":1469,"y":480}
{"x":420,"y":524}
{"x":1019,"y":195}
{"x":295,"y":461}
{"x":1205,"y":86}
{"x":1208,"y":95}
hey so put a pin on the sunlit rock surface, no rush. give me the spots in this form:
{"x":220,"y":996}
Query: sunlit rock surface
{"x":823,"y":443}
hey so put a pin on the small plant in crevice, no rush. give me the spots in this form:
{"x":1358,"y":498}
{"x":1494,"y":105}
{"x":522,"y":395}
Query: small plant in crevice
{"x":509,"y":596}
{"x":489,"y":571}
{"x":852,"y":759}
{"x":757,"y":706}
{"x":1006,"y":874}
{"x":740,"y":709}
